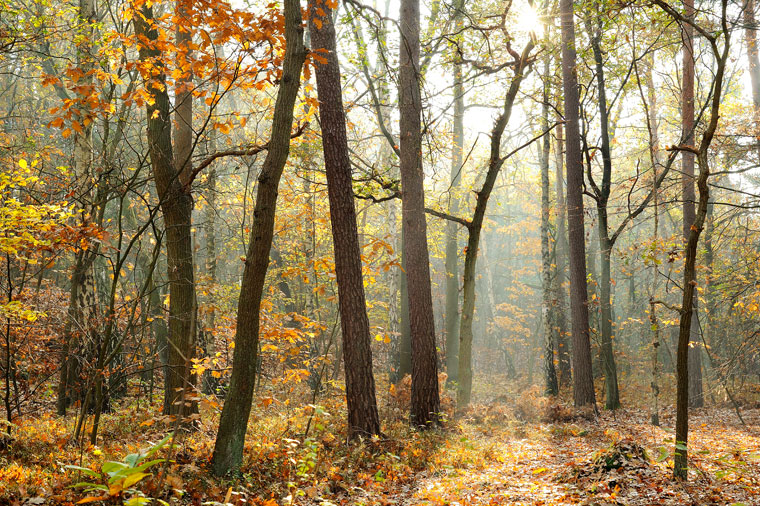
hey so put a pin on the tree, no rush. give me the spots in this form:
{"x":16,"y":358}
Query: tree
{"x":363,"y":419}
{"x":228,"y":449}
{"x":687,"y":191}
{"x":177,"y":206}
{"x":550,"y":373}
{"x":425,"y":397}
{"x":701,"y":152}
{"x":583,"y":391}
{"x":452,"y":247}
{"x":474,"y":226}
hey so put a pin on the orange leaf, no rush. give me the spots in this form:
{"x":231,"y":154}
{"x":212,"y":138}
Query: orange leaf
{"x":92,"y":499}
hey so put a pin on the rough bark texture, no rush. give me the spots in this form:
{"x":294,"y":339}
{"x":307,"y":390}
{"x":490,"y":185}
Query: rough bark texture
{"x":176,"y":206}
{"x":583,"y":391}
{"x":363,"y":419}
{"x":228,"y":450}
{"x":687,"y":181}
{"x":425,"y":398}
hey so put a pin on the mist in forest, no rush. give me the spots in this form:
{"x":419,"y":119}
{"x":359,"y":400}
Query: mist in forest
{"x":392,"y":252}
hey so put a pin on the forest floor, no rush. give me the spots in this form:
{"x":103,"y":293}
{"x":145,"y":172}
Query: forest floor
{"x":517,"y":449}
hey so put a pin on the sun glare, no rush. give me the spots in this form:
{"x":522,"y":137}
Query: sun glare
{"x":529,"y":20}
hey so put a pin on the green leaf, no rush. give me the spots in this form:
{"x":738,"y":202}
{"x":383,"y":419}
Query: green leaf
{"x":663,"y":454}
{"x":88,"y":472}
{"x":112,"y":467}
{"x":89,"y":486}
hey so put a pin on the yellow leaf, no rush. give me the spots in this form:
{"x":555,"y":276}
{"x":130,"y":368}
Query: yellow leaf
{"x":134,"y":478}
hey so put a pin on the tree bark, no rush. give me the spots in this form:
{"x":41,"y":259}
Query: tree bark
{"x":425,"y":410}
{"x":612,"y":395}
{"x":560,"y":307}
{"x":363,"y":419}
{"x":687,"y":182}
{"x":551,"y":386}
{"x":452,"y":229}
{"x":176,"y":206}
{"x":583,"y":392}
{"x":228,"y":449}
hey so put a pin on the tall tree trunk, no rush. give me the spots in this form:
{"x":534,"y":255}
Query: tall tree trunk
{"x":583,"y":391}
{"x":452,"y":229}
{"x":363,"y":418}
{"x":560,"y":319}
{"x":612,"y":395}
{"x":425,"y":398}
{"x":687,"y":181}
{"x":176,"y":206}
{"x":228,"y":449}
{"x":550,"y":374}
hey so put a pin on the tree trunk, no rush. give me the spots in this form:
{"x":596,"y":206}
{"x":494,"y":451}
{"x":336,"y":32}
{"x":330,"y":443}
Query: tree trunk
{"x":425,"y":398}
{"x":452,"y":229}
{"x":612,"y":396}
{"x":474,"y":226}
{"x":583,"y":391}
{"x":550,"y":374}
{"x":363,"y":419}
{"x":560,"y":248}
{"x":176,"y":206}
{"x":228,"y":449}
{"x":687,"y":183}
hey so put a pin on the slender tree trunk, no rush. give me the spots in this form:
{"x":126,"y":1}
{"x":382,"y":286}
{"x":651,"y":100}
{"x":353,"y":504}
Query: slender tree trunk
{"x":612,"y":396}
{"x":228,"y":450}
{"x":687,"y":181}
{"x":425,"y":398}
{"x":550,"y":374}
{"x":560,"y":319}
{"x":452,"y":229}
{"x":176,"y":206}
{"x":474,"y":226}
{"x":363,"y":419}
{"x":583,"y":392}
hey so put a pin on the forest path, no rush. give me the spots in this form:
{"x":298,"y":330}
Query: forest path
{"x":538,"y":464}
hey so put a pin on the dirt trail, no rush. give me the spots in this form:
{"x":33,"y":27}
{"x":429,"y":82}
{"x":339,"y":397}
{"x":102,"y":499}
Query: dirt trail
{"x":553,"y":464}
